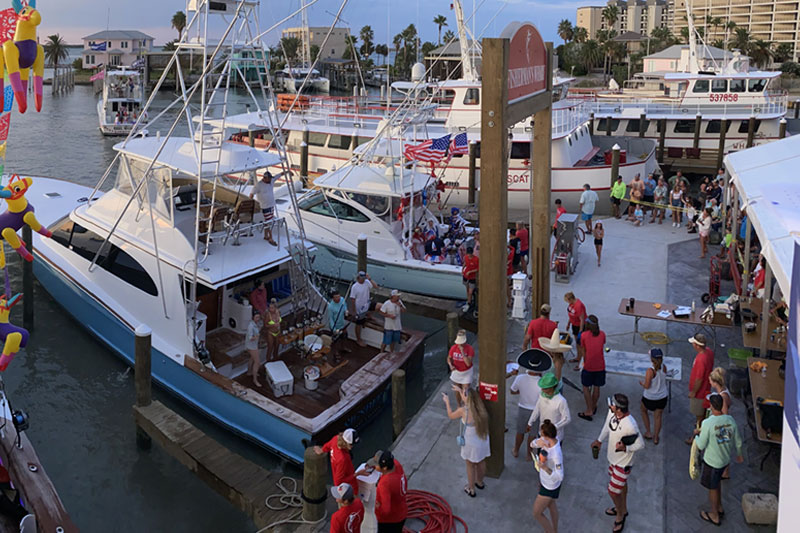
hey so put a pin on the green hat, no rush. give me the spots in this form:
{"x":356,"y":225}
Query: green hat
{"x":548,"y":380}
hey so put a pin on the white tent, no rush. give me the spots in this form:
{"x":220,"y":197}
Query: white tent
{"x":767,"y":178}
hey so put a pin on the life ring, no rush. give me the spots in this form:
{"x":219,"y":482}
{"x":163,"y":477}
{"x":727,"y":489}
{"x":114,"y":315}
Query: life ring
{"x":232,"y":322}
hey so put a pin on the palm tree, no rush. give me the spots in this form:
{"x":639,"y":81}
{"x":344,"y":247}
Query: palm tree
{"x":741,"y":40}
{"x":610,"y":14}
{"x":55,"y":51}
{"x":397,"y":41}
{"x":350,"y":47}
{"x":367,"y":38}
{"x":382,"y":50}
{"x":590,"y":54}
{"x":579,"y":34}
{"x":179,"y":22}
{"x":729,"y":27}
{"x":565,"y":30}
{"x":440,"y":20}
{"x":760,"y":52}
{"x":448,"y":36}
{"x":783,"y":52}
{"x":290,"y":46}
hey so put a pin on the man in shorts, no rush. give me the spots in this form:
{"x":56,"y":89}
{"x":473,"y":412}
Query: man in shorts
{"x":392,"y":328}
{"x":577,"y":315}
{"x":265,"y":196}
{"x":649,"y":191}
{"x":524,"y":244}
{"x":618,"y":191}
{"x":623,"y":441}
{"x":359,"y":302}
{"x":717,"y":437}
{"x":588,"y":202}
{"x":699,"y":386}
{"x":526,"y":386}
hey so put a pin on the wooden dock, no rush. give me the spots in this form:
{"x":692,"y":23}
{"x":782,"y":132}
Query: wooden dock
{"x":436,"y":308}
{"x":242,"y":482}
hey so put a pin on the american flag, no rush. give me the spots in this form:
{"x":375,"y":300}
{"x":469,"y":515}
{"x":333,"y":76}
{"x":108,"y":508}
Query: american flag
{"x":459,"y":144}
{"x":430,"y":151}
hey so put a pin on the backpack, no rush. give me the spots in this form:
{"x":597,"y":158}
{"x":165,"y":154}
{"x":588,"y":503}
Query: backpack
{"x":771,"y":415}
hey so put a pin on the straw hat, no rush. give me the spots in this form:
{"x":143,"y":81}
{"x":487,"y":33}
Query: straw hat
{"x":461,"y":337}
{"x":536,"y":360}
{"x":553,"y":344}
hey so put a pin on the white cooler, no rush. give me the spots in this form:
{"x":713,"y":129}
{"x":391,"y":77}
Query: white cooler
{"x":280,"y":379}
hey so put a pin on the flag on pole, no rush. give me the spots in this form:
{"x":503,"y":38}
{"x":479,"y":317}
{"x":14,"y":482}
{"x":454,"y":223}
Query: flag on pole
{"x":98,"y":47}
{"x":430,"y":151}
{"x":99,"y":76}
{"x":459,"y":144}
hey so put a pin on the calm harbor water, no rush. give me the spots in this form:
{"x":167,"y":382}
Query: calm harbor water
{"x":79,"y":395}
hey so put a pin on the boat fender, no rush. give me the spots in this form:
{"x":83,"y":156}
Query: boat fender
{"x":232,"y":322}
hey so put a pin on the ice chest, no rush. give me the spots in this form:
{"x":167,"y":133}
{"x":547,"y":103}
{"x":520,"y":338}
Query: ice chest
{"x":280,"y":379}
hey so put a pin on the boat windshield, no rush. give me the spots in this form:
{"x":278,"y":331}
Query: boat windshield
{"x":377,"y":204}
{"x":156,"y":192}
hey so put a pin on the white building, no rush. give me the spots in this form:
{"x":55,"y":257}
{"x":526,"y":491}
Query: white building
{"x":676,"y":59}
{"x":639,"y":16}
{"x":115,"y":48}
{"x":335,"y":46}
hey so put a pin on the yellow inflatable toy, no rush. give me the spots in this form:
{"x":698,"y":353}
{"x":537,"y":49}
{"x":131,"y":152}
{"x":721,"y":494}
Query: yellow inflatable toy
{"x":22,"y":54}
{"x":19,"y":212}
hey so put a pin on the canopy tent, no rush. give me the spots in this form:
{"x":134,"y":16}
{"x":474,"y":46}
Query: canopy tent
{"x":766,"y":179}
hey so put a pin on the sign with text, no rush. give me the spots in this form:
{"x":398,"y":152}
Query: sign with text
{"x":488,"y":391}
{"x":527,"y":61}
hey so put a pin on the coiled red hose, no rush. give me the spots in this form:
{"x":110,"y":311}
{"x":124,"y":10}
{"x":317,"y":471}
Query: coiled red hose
{"x":434,"y":511}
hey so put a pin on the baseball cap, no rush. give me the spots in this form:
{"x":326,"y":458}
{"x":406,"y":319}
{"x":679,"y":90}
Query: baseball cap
{"x":656,"y":353}
{"x":395,"y":292}
{"x":342,"y":492}
{"x":546,"y":308}
{"x":383,"y":459}
{"x":350,"y":436}
{"x":698,"y":339}
{"x":362,"y":274}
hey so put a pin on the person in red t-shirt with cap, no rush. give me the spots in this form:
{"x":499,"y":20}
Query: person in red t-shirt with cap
{"x":391,"y":508}
{"x":539,"y":327}
{"x":341,"y":461}
{"x":469,"y":274}
{"x":459,"y":360}
{"x":699,"y":386}
{"x":576,"y":312}
{"x":350,"y":515}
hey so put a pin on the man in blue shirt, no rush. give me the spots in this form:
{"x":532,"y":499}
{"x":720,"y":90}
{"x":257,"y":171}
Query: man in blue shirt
{"x":336,"y":311}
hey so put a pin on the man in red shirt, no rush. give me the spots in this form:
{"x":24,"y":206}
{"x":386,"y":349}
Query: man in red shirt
{"x":560,"y":210}
{"x":341,"y":461}
{"x":350,"y":515}
{"x":459,"y":360}
{"x":469,"y":273}
{"x":391,"y":507}
{"x":539,"y":327}
{"x":593,"y":375}
{"x":699,"y":386}
{"x":576,"y":312}
{"x":524,"y":244}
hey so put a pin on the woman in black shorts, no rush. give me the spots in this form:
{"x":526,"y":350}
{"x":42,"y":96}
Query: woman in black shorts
{"x":598,"y":233}
{"x":655,"y":396}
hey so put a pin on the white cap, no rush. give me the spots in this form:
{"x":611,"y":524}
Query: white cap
{"x":350,"y":436}
{"x":395,"y":292}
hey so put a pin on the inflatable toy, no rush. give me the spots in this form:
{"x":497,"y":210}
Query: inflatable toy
{"x":12,"y":336}
{"x":22,"y":54}
{"x":19,"y":212}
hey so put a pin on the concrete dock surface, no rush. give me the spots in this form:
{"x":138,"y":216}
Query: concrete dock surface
{"x":654,"y":262}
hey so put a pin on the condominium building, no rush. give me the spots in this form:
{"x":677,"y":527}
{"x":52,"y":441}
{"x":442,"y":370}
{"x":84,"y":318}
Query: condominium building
{"x":639,"y":16}
{"x":335,"y":46}
{"x":776,"y":21}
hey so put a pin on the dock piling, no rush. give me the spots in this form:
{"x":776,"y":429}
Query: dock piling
{"x":251,"y":139}
{"x":698,"y":119}
{"x":27,"y":282}
{"x":304,"y":156}
{"x":591,"y":123}
{"x":797,"y":109}
{"x":662,"y":133}
{"x":782,"y":129}
{"x":608,"y":126}
{"x":362,"y":253}
{"x":642,"y":124}
{"x":473,"y":157}
{"x":614,"y":163}
{"x":315,"y":474}
{"x":398,"y":402}
{"x":142,"y":378}
{"x":723,"y":129}
{"x":751,"y":130}
{"x":452,"y":327}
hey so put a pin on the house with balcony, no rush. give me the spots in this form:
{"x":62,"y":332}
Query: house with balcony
{"x":115,"y":48}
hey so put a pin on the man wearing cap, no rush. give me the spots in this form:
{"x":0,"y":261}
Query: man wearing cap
{"x":699,"y":386}
{"x":551,"y":405}
{"x":459,"y":360}
{"x":265,"y":196}
{"x":717,"y":437}
{"x":359,"y":302}
{"x":469,"y":274}
{"x":341,"y":460}
{"x":350,"y":515}
{"x":539,"y":327}
{"x":391,"y":508}
{"x":532,"y":364}
{"x":623,"y":441}
{"x":553,"y":346}
{"x":392,"y":328}
{"x":336,"y":312}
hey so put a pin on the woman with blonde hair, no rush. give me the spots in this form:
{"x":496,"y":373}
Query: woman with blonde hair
{"x":474,"y":436}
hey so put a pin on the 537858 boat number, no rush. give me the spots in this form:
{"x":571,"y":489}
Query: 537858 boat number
{"x":723,"y":97}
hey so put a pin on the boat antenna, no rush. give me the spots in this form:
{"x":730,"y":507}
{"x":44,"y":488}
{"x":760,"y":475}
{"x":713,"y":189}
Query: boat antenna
{"x":466,"y":41}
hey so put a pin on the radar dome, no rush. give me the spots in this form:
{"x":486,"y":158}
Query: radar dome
{"x":417,"y":72}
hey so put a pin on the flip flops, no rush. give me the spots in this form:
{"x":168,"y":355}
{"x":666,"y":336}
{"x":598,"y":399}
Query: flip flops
{"x":707,"y":517}
{"x":480,"y":487}
{"x":468,"y":492}
{"x":585,"y":417}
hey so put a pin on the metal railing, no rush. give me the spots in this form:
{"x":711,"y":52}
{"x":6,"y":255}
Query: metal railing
{"x":774,"y":104}
{"x":568,"y":119}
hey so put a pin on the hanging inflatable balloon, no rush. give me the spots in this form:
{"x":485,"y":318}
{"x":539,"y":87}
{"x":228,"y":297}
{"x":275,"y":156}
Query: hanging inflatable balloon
{"x":12,"y":336}
{"x":19,"y":212}
{"x":22,"y":54}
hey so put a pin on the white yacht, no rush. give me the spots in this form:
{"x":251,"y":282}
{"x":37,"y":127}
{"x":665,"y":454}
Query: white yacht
{"x":121,"y":101}
{"x":177,"y":245}
{"x":292,"y":79}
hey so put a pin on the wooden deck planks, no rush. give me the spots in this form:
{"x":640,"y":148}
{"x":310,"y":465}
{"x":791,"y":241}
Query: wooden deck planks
{"x":243,"y":483}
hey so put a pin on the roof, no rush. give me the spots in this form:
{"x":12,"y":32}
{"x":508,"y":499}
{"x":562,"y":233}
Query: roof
{"x":765,"y":177}
{"x":751,"y":74}
{"x":117,"y":34}
{"x":629,"y":36}
{"x":373,"y":179}
{"x":450,"y":49}
{"x":703,"y":52}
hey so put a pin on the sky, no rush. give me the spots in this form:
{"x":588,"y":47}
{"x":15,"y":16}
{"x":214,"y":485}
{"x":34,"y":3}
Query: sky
{"x":74,"y":19}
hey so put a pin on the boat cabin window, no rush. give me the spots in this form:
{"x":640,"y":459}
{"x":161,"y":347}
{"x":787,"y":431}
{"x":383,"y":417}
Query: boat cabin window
{"x":737,"y":86}
{"x":719,"y":86}
{"x":745,"y":123}
{"x":756,"y":86}
{"x":472,"y":96}
{"x":700,"y":86}
{"x":602,"y":124}
{"x":316,"y":138}
{"x":331,"y":207}
{"x":714,"y":126}
{"x":377,"y":204}
{"x":85,"y":243}
{"x":633,"y":126}
{"x":520,"y":150}
{"x":684,"y":126}
{"x":340,"y":142}
{"x":446,"y":97}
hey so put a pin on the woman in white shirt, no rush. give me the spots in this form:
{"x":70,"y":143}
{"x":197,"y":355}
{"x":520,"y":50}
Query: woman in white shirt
{"x":251,"y":345}
{"x":655,"y":395}
{"x":550,"y":463}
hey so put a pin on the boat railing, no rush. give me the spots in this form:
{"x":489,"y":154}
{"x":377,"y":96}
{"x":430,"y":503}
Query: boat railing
{"x":569,"y":118}
{"x":773,"y":104}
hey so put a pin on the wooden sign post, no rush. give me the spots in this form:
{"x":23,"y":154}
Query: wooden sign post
{"x":515,"y":86}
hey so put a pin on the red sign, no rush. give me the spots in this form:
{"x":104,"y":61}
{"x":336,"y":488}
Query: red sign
{"x":527,"y":61}
{"x":488,"y":391}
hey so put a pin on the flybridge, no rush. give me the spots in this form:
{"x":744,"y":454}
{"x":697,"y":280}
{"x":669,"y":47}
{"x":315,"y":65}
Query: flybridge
{"x":519,"y":77}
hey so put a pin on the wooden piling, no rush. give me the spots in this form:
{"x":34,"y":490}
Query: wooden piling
{"x":27,"y":282}
{"x":797,"y":109}
{"x":751,"y":130}
{"x":723,"y":129}
{"x":142,"y":378}
{"x":615,"y":151}
{"x":698,"y":120}
{"x":398,"y":402}
{"x":362,"y":253}
{"x":452,"y":327}
{"x":662,"y":133}
{"x":642,"y":124}
{"x":782,"y":129}
{"x":304,"y":156}
{"x":608,"y":126}
{"x":251,"y":139}
{"x":473,"y":158}
{"x":591,"y":123}
{"x":315,"y":477}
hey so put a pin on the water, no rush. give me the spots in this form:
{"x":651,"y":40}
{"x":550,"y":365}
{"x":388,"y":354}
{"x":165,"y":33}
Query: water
{"x":79,"y":395}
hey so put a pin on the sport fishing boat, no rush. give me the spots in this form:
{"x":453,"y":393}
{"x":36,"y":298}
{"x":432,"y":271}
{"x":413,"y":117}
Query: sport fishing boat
{"x":121,"y":101}
{"x":728,"y":90}
{"x":177,"y":245}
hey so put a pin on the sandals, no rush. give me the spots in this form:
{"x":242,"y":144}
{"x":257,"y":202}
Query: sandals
{"x":647,"y":436}
{"x":480,"y":487}
{"x":585,"y":417}
{"x":468,"y":492}
{"x":619,"y":525}
{"x":655,"y":441}
{"x":612,"y":511}
{"x":707,"y":517}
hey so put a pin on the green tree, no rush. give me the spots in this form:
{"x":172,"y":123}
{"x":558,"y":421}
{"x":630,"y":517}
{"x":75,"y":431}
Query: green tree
{"x":741,"y":40}
{"x":448,"y":36}
{"x":440,"y":21}
{"x":170,"y":46}
{"x":382,"y":50}
{"x":350,"y":47}
{"x":610,"y":14}
{"x":783,"y":52}
{"x":313,"y":51}
{"x":367,"y":41}
{"x":427,"y":47}
{"x":590,"y":54}
{"x":179,"y":22}
{"x":565,"y":30}
{"x":290,"y":47}
{"x":579,"y":34}
{"x":760,"y":52}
